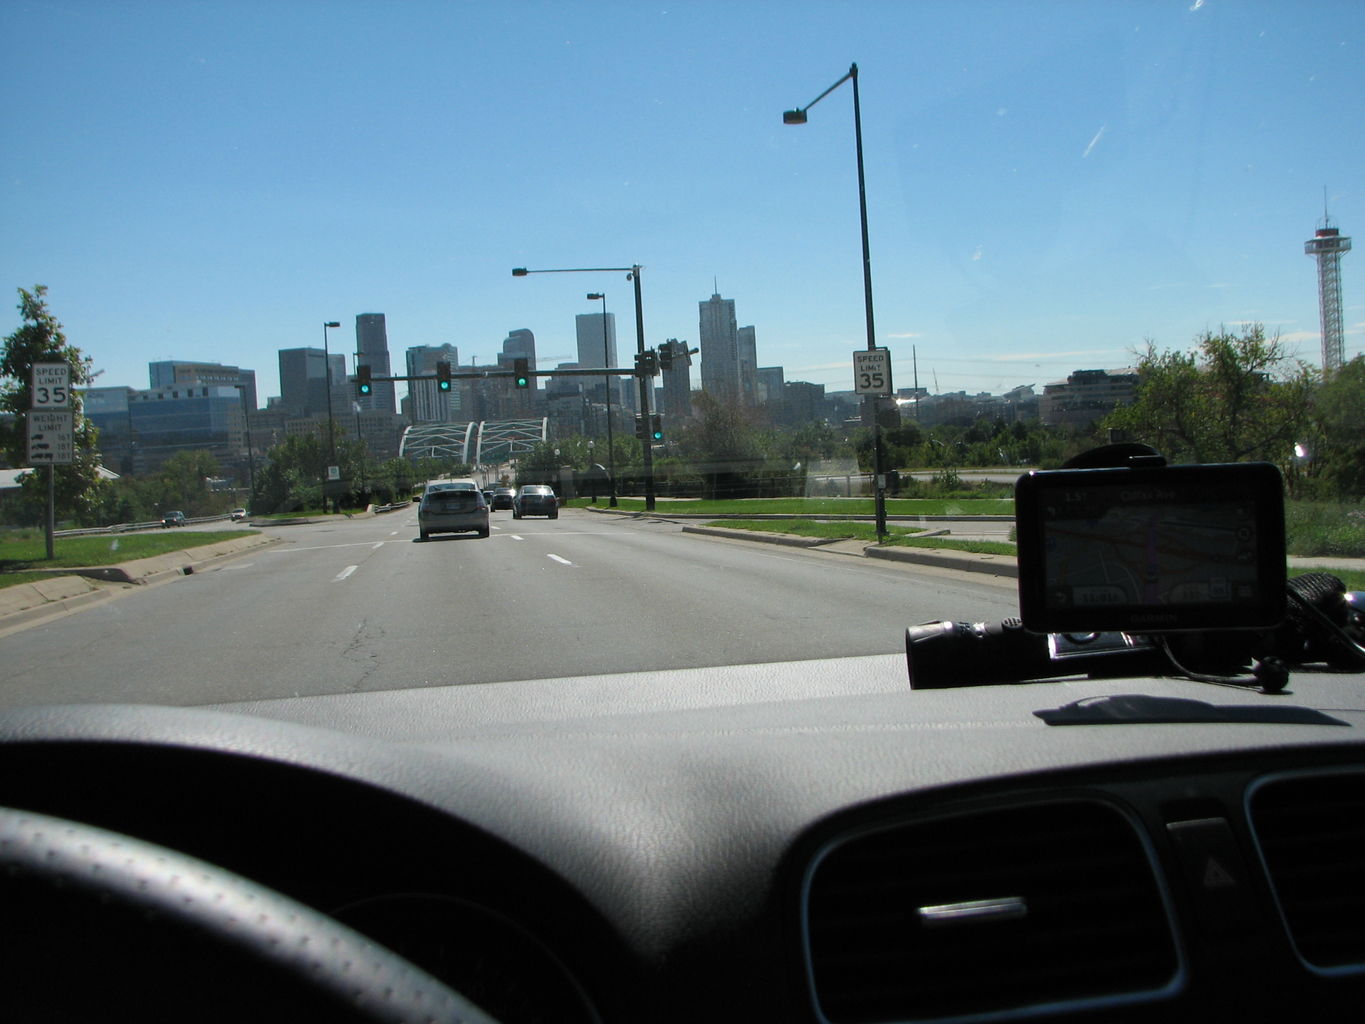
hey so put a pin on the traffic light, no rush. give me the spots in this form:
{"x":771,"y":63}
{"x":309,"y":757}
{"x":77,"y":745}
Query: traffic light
{"x":666,"y":356}
{"x":640,"y":424}
{"x":442,"y":376}
{"x":656,"y":428}
{"x":521,"y":368}
{"x":363,"y":384}
{"x":646,"y":363}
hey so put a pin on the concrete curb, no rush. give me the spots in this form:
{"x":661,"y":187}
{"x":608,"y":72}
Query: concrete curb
{"x":787,"y":539}
{"x":963,"y":561}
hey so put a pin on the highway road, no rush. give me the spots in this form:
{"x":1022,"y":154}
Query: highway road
{"x":359,"y":605}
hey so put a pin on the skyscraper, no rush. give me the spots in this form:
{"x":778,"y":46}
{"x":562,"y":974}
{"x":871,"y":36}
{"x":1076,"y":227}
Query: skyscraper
{"x":430,"y":405}
{"x":303,"y":382}
{"x":372,"y":350}
{"x":719,"y":348}
{"x":597,"y":347}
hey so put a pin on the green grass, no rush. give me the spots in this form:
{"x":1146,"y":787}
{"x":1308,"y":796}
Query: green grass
{"x":27,"y":549}
{"x":980,"y":547}
{"x":820,"y":506}
{"x":899,"y":536}
{"x":1324,"y":528}
{"x":808,"y":528}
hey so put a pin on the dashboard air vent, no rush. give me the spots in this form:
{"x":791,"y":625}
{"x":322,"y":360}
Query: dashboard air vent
{"x":1311,"y":829}
{"x":1025,"y":907}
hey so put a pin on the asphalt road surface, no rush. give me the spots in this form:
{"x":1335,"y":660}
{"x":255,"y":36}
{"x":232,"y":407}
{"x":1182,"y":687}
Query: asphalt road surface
{"x":359,"y":605}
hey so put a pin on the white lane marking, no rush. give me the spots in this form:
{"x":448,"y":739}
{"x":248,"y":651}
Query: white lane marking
{"x":318,"y":547}
{"x":561,"y":561}
{"x":237,"y":565}
{"x":393,"y":533}
{"x":516,"y":536}
{"x":345,"y":572}
{"x":377,"y":546}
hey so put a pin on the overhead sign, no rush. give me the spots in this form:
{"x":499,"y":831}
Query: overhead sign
{"x":51,"y":386}
{"x":872,"y":372}
{"x":51,"y":439}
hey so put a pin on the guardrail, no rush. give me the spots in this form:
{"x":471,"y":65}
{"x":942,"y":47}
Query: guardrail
{"x":152,"y":524}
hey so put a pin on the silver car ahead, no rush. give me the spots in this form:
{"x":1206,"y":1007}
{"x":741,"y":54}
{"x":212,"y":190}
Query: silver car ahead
{"x":452,"y":510}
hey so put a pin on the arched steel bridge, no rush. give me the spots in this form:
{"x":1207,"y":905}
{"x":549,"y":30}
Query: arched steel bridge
{"x":482,"y":441}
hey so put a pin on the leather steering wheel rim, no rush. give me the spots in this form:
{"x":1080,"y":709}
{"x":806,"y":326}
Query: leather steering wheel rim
{"x":100,"y":924}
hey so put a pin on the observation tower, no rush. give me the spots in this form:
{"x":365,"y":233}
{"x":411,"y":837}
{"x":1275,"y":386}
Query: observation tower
{"x":1327,"y":246}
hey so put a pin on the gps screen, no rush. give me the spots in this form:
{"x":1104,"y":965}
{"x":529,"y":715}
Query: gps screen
{"x":1174,"y":548}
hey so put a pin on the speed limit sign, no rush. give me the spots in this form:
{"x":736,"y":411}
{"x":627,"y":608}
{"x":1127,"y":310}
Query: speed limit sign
{"x":51,"y":386}
{"x":872,"y":372}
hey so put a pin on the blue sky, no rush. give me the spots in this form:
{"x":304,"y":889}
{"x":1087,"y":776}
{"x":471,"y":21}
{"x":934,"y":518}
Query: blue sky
{"x":1049,"y":184}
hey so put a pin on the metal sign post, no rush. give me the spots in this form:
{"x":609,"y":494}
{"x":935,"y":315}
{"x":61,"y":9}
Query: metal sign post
{"x":51,"y":437}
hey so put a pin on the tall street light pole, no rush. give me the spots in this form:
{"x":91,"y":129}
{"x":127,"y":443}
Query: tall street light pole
{"x":611,"y":386}
{"x":632,"y":274}
{"x":250,"y":457}
{"x":331,"y":426}
{"x":871,"y":402}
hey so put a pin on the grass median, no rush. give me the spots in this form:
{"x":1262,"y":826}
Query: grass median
{"x":817,"y":506}
{"x":23,"y":553}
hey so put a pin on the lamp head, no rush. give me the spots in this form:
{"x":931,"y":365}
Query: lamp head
{"x":332,"y":323}
{"x":518,"y":271}
{"x":793,"y":117}
{"x":594,"y":296}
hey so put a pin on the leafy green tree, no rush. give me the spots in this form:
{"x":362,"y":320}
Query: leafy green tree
{"x":183,"y":483}
{"x":1336,"y":442}
{"x":1232,"y":398}
{"x":40,"y":339}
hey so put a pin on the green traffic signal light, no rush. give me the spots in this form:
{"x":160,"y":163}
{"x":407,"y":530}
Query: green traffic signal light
{"x":522,"y":369}
{"x":656,"y":428}
{"x":363,"y":384}
{"x":442,"y":376}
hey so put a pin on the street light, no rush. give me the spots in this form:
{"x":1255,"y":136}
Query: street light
{"x":632,"y":274}
{"x":331,"y":426}
{"x":611,"y":386}
{"x":250,"y":456}
{"x":798,"y":116}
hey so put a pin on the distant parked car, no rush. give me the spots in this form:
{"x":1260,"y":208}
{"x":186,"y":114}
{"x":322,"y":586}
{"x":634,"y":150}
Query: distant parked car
{"x":535,"y":500}
{"x":237,"y":514}
{"x":173,"y":519}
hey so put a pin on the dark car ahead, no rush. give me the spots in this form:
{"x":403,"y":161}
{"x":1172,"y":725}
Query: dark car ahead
{"x":452,"y":510}
{"x":173,"y":519}
{"x":503,"y":498}
{"x":535,"y":500}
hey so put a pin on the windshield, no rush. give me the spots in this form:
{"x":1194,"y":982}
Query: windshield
{"x":772,"y":301}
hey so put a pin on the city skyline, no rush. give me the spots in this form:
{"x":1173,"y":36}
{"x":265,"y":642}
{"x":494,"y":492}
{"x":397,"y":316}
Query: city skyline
{"x":1048,"y":186}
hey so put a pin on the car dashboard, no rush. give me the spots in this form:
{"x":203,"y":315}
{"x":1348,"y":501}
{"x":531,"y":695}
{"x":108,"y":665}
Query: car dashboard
{"x":805,"y":841}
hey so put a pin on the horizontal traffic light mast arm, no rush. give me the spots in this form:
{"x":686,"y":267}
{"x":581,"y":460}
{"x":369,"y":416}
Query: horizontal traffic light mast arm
{"x":577,"y":371}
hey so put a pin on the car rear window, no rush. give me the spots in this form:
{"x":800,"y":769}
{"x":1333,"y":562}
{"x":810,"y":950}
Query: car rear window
{"x":453,"y":501}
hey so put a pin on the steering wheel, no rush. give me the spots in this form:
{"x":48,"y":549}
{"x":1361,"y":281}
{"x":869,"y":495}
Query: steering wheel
{"x":100,"y":925}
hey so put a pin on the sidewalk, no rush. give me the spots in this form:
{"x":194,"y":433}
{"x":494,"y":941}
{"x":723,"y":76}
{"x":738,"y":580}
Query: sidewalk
{"x":26,"y":603}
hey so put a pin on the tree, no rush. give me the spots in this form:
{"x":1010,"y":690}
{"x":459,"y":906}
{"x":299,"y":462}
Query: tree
{"x":1235,"y":397}
{"x":41,"y":339}
{"x":1336,"y":443}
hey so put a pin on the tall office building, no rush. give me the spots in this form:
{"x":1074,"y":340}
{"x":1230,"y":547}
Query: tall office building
{"x":746,"y":349}
{"x":719,"y":347}
{"x":169,"y":373}
{"x":430,"y":405}
{"x":597,"y":347}
{"x":372,"y":350}
{"x":519,"y":344}
{"x":677,"y":384}
{"x":303,"y":382}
